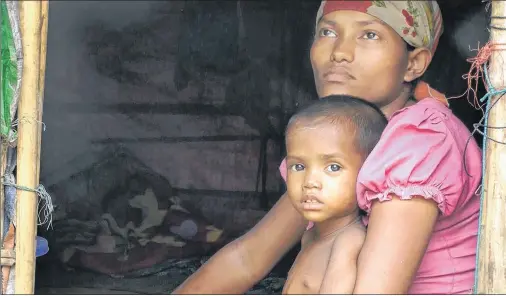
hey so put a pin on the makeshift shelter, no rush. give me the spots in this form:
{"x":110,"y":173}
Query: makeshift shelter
{"x":164,"y":132}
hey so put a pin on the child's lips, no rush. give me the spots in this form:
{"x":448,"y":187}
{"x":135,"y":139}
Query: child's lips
{"x":311,"y":203}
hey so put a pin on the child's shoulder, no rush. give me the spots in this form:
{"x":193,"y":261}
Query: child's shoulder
{"x":350,"y":239}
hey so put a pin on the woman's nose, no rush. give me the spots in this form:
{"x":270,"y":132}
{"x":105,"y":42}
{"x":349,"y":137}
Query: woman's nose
{"x":343,"y":51}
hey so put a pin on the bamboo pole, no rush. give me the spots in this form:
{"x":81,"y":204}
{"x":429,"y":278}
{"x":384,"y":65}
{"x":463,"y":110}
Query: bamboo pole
{"x":3,"y":158}
{"x":492,"y":245}
{"x":42,"y":74}
{"x":28,"y":147}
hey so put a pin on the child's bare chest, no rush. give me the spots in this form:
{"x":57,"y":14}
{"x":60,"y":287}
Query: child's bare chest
{"x":308,"y":270}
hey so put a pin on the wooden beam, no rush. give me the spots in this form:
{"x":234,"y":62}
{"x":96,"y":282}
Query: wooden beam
{"x":491,"y":269}
{"x":28,"y":145}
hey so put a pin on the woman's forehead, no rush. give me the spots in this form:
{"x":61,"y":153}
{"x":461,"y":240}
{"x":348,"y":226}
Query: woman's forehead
{"x":349,"y":17}
{"x":419,"y":23}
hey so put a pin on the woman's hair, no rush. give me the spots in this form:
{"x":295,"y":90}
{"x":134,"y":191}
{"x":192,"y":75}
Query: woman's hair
{"x":363,"y":119}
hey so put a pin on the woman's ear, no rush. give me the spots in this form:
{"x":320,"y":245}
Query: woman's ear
{"x":418,"y":62}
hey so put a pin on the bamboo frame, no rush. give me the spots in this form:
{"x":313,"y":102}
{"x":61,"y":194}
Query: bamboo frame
{"x":42,"y":73}
{"x":491,"y":267}
{"x":33,"y":23}
{"x":3,"y":159}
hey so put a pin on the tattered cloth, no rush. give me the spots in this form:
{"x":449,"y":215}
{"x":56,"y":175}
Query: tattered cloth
{"x":161,"y":234}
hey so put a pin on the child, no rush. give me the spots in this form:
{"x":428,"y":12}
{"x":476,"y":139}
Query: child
{"x":327,"y":143}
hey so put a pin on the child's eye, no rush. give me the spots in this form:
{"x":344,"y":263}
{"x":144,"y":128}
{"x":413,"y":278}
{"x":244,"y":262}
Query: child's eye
{"x":370,"y":35}
{"x":334,"y":167}
{"x":297,"y":167}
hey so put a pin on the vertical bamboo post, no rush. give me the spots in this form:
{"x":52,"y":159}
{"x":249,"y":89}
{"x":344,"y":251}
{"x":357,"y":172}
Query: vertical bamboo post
{"x":3,"y":157}
{"x":3,"y":160}
{"x":42,"y":74}
{"x":28,"y":147}
{"x":492,"y":245}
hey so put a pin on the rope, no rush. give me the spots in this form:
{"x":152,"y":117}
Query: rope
{"x":47,"y":208}
{"x":491,"y":93}
{"x":479,"y":68}
{"x":13,"y":135}
{"x":15,"y":122}
{"x":476,"y":72}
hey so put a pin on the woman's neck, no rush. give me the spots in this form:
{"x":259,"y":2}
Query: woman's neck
{"x":404,"y":100}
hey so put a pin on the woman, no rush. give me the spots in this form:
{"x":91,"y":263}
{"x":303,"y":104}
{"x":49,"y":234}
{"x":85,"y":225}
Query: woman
{"x":417,"y":186}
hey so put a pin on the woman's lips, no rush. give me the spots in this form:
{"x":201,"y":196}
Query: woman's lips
{"x":337,"y":75}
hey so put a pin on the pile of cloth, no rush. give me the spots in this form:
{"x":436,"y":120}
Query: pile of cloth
{"x":150,"y":236}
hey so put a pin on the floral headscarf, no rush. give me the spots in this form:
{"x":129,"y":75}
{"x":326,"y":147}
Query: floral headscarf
{"x":418,"y":22}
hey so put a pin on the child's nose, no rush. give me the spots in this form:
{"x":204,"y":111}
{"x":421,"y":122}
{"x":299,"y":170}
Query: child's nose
{"x":312,"y":182}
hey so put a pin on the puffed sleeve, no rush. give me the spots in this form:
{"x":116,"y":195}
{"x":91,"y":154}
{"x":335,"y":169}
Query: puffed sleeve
{"x":417,"y":155}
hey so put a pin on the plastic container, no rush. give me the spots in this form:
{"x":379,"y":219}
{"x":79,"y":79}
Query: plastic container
{"x":41,"y":247}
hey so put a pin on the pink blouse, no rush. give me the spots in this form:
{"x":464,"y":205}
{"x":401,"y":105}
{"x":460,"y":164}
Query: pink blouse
{"x":421,"y":153}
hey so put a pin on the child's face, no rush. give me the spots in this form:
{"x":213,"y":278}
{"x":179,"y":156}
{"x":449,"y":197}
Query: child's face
{"x":323,"y":166}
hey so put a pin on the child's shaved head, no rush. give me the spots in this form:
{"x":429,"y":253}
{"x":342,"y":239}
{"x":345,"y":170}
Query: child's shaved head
{"x":364,"y":120}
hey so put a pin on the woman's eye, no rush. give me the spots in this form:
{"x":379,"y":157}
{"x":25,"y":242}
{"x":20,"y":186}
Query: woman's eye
{"x":327,"y":33}
{"x":333,"y":168}
{"x":297,"y":167}
{"x":371,"y":36}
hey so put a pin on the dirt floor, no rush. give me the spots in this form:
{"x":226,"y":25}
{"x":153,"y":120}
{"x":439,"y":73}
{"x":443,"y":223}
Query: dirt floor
{"x":160,"y":279}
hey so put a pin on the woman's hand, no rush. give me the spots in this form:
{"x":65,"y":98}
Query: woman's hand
{"x":397,"y":237}
{"x":245,"y":261}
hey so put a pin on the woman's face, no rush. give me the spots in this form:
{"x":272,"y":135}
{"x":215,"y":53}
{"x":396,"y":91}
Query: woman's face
{"x":356,"y":54}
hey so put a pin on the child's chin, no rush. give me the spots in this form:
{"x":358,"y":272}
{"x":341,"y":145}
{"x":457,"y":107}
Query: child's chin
{"x":315,"y":217}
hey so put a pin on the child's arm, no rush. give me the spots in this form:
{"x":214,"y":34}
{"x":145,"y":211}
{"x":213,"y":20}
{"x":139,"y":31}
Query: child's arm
{"x":341,"y":270}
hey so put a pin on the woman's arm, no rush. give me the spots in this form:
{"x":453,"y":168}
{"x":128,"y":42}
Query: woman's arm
{"x":245,"y":261}
{"x":397,"y":237}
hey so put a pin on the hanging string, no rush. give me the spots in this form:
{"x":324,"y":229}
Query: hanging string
{"x":13,"y":134}
{"x":476,"y":72}
{"x":29,"y":120}
{"x":45,"y":210}
{"x":491,"y":92}
{"x":479,"y":69}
